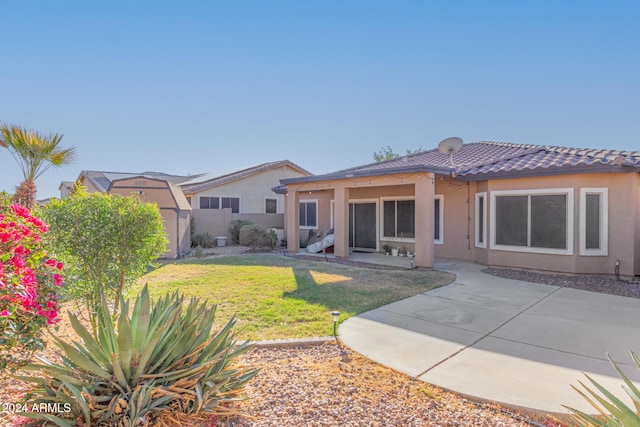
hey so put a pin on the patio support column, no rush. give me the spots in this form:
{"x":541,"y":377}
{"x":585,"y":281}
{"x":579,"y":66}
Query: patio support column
{"x":341,"y":222}
{"x":292,"y":220}
{"x":424,"y":188}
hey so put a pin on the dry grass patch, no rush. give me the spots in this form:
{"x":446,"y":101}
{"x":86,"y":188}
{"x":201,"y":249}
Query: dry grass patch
{"x":277,"y":297}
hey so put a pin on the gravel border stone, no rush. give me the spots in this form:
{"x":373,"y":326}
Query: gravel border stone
{"x":584,"y":282}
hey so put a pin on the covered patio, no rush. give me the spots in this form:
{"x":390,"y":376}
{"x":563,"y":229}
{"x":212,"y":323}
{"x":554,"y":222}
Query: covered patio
{"x":365,"y":212}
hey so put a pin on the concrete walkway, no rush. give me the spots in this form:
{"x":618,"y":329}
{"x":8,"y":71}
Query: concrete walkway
{"x":518,"y":343}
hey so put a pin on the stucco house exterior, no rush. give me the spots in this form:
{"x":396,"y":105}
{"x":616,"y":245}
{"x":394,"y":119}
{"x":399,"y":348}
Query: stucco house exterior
{"x":216,"y":200}
{"x":500,"y":204}
{"x":212,"y":201}
{"x":155,"y":187}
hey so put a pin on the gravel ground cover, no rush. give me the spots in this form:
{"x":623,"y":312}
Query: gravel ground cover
{"x":585,"y":282}
{"x":328,"y":385}
{"x":323,"y":385}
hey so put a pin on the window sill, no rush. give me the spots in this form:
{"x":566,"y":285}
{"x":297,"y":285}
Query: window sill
{"x":544,"y":251}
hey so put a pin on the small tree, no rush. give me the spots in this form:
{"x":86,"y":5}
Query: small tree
{"x":107,"y":242}
{"x":387,"y":153}
{"x":35,"y":153}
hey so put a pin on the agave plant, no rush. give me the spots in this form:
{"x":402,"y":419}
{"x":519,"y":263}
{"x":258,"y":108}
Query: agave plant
{"x":613,"y":412}
{"x":157,"y":359}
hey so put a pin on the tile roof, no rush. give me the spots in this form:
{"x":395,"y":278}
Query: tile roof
{"x":481,"y":160}
{"x":553,"y":159}
{"x":206,"y":181}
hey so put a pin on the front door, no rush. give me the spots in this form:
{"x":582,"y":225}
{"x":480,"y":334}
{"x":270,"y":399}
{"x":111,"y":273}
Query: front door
{"x":362,"y":226}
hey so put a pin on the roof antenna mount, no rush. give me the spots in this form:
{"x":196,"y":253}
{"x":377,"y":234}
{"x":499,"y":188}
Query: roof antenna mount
{"x":450,"y":146}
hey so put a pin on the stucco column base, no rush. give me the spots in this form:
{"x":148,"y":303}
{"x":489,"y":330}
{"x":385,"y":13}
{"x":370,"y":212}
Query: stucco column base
{"x":424,"y":193}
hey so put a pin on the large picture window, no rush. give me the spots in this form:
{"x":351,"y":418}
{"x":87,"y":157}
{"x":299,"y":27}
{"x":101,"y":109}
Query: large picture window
{"x":533,"y":221}
{"x":308,"y":214}
{"x":594,"y":222}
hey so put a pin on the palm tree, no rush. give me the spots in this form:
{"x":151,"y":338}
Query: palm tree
{"x":35,"y":153}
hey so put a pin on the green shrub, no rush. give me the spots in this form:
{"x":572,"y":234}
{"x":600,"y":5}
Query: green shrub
{"x":234,"y":229}
{"x":613,"y":411}
{"x":158,"y":360}
{"x":204,"y":240}
{"x":106,"y":241}
{"x":256,"y":236}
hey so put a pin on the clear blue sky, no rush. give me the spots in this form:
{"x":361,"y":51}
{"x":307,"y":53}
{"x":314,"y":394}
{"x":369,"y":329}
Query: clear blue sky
{"x":187,"y":87}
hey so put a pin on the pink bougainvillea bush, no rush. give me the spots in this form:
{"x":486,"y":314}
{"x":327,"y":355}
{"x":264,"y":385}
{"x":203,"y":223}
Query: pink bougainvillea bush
{"x":30,"y":282}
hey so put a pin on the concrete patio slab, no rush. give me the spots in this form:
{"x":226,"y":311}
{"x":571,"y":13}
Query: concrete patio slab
{"x":502,"y":340}
{"x":522,"y":375}
{"x":405,"y":344}
{"x":452,"y":312}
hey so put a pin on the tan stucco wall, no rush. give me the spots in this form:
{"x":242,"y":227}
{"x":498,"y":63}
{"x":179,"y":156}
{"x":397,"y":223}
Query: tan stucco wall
{"x":459,"y":218}
{"x":252,"y":190}
{"x":458,"y":239}
{"x":216,"y":222}
{"x":621,"y":230}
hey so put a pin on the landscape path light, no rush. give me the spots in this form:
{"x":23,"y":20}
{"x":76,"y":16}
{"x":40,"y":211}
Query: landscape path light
{"x":335,"y":315}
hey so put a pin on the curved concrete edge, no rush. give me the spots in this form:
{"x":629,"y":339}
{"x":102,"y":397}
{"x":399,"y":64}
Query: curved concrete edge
{"x":519,"y":344}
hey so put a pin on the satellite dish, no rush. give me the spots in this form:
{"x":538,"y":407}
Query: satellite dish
{"x":450,"y":146}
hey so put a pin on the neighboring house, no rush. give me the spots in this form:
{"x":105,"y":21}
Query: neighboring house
{"x":65,"y":188}
{"x":156,"y":187}
{"x":510,"y":205}
{"x":211,"y":201}
{"x":246,"y":195}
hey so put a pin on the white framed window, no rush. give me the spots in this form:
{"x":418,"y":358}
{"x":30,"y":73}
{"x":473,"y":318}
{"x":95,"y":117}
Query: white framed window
{"x":309,"y":214}
{"x":438,"y":219}
{"x":270,"y":206}
{"x":332,"y":207}
{"x":538,"y":221}
{"x":594,"y":222}
{"x":481,"y":220}
{"x":398,"y":219}
{"x":217,"y":202}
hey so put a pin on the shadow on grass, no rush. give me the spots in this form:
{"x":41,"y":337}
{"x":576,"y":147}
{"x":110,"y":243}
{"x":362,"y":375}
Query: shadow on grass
{"x":349,"y":289}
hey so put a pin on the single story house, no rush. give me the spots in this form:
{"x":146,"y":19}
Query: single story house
{"x":500,"y":204}
{"x":216,"y":200}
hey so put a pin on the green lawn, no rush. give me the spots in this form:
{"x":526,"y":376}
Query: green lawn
{"x":275,"y":297}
